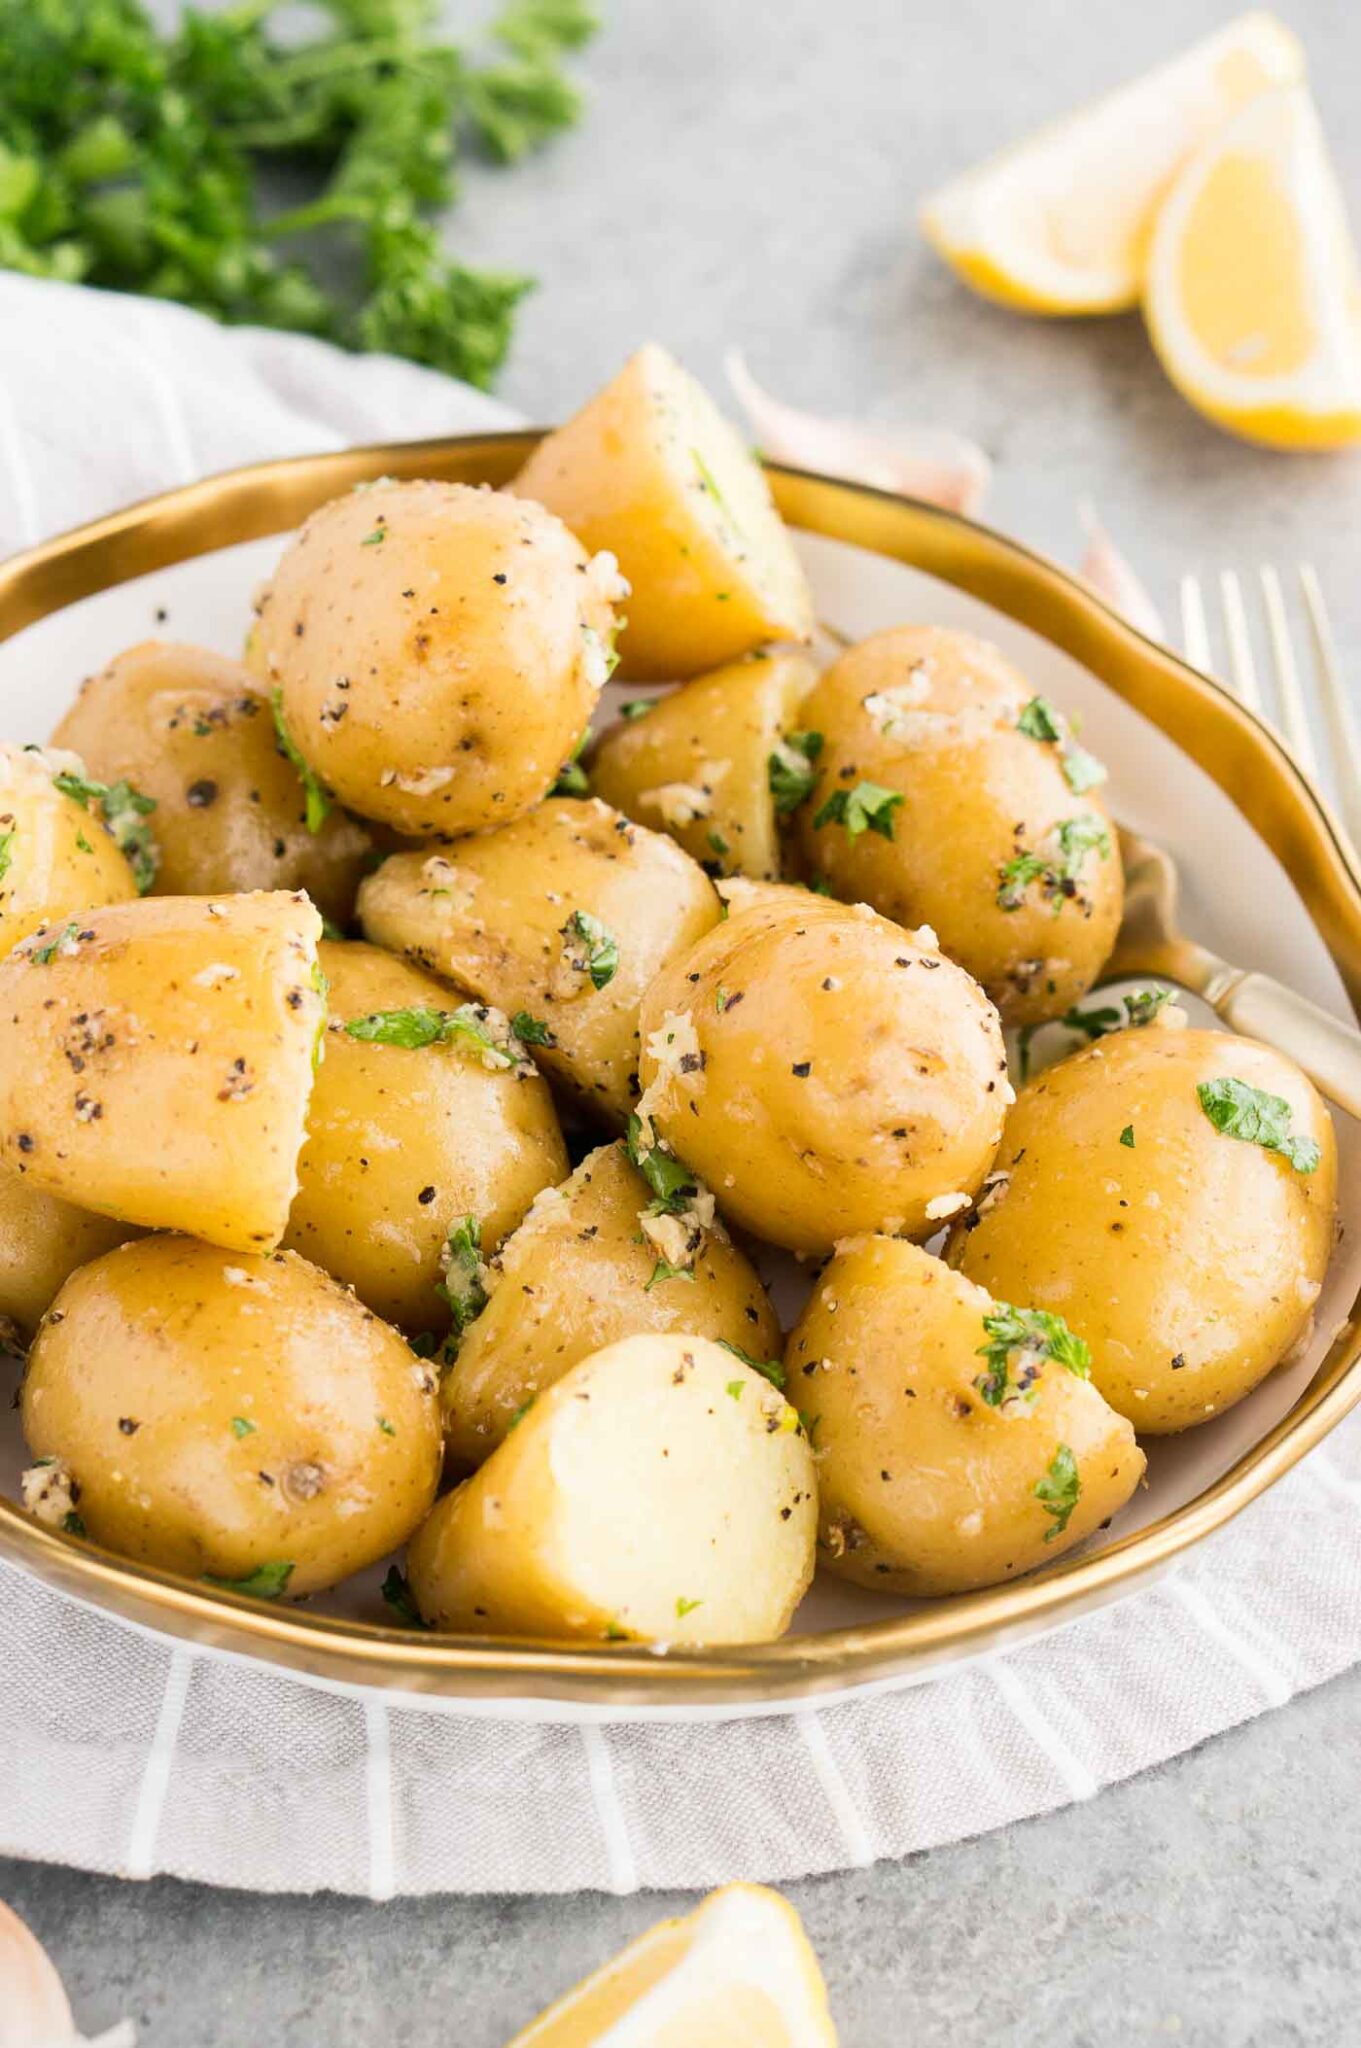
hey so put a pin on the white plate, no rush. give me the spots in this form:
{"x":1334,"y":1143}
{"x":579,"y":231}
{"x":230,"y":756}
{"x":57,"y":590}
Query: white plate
{"x":1236,"y":898}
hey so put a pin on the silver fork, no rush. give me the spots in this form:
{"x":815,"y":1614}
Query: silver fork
{"x":1305,"y":700}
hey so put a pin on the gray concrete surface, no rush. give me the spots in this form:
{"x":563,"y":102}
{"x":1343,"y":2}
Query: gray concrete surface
{"x":748,"y":175}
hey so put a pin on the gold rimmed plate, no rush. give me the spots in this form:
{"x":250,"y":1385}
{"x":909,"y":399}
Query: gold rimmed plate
{"x":1268,"y":882}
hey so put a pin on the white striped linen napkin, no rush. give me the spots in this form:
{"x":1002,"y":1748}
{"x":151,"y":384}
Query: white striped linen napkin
{"x":125,"y":1753}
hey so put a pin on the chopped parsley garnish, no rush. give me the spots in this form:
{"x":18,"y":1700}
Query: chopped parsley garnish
{"x":396,"y":1590}
{"x":866,"y":808}
{"x":530,"y":1030}
{"x":718,"y":844}
{"x":82,"y":846}
{"x":735,"y":1389}
{"x":463,"y":1282}
{"x":664,"y":1270}
{"x":673,"y":1186}
{"x":315,"y":792}
{"x":790,"y":770}
{"x":6,"y":842}
{"x":418,"y":1027}
{"x":1059,"y":1491}
{"x":385,"y":1425}
{"x":593,"y":945}
{"x":1082,"y":770}
{"x":520,"y":1413}
{"x":684,"y":1607}
{"x":720,"y":999}
{"x":1239,"y":1110}
{"x":371,"y":540}
{"x":571,"y":779}
{"x":72,"y":1523}
{"x":636,"y":707}
{"x":330,"y":929}
{"x":1028,"y":1336}
{"x":1040,"y":720}
{"x":124,"y":812}
{"x":242,"y":1426}
{"x":1057,"y":873}
{"x":1127,"y":1136}
{"x":43,"y":956}
{"x":1141,"y":1007}
{"x":266,"y":1582}
{"x":770,"y":1369}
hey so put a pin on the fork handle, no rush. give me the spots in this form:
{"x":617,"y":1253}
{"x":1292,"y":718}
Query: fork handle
{"x":1328,"y":1051}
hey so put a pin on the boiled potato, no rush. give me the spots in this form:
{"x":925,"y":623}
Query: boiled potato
{"x":661,"y":1491}
{"x":824,"y":1072}
{"x":438,"y":650}
{"x":190,"y":730}
{"x":156,"y":1060}
{"x":405,"y":1138}
{"x":704,"y":762}
{"x":239,"y":1417}
{"x":42,"y":1241}
{"x":652,"y":471}
{"x":565,"y":915}
{"x":958,"y":1439}
{"x":949,"y":794}
{"x":579,"y":1273}
{"x":55,"y":857}
{"x":1188,"y":1258}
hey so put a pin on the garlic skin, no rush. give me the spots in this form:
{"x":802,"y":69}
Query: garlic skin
{"x":927,"y":462}
{"x":34,"y":2009}
{"x":1110,"y":575}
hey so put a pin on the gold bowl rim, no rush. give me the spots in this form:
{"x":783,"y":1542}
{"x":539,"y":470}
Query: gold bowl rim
{"x":1237,"y":749}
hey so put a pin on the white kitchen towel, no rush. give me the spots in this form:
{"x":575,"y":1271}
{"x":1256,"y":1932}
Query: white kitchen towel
{"x":125,"y":1753}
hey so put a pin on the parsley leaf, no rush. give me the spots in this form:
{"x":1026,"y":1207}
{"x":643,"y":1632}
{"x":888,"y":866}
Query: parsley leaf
{"x":318,"y":799}
{"x":463,"y":1284}
{"x":6,"y":842}
{"x":1127,"y":1136}
{"x":790,"y":772}
{"x":571,"y":777}
{"x":867,"y":807}
{"x":1059,"y":1491}
{"x":530,"y":1030}
{"x":594,"y":945}
{"x":673,"y":1186}
{"x":266,"y":1582}
{"x":1242,"y":1111}
{"x":65,"y":941}
{"x":1040,"y":721}
{"x":1028,"y":1336}
{"x":396,"y":1590}
{"x":242,"y":1426}
{"x":124,"y":811}
{"x":636,"y":707}
{"x":771,"y":1369}
{"x":1058,"y":872}
{"x":684,"y":1607}
{"x":1141,"y":1007}
{"x":418,"y":1027}
{"x":664,"y":1270}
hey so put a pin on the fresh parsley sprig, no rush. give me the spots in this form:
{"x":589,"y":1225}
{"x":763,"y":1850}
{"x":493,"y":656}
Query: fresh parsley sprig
{"x":123,"y":811}
{"x":866,"y":808}
{"x":1024,"y":1338}
{"x":1239,"y":1110}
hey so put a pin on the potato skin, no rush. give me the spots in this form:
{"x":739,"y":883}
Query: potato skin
{"x":1190,"y":1261}
{"x":849,"y":1077}
{"x":698,"y":764}
{"x":401,"y":1142}
{"x":222,"y":1412}
{"x":662,"y":1490}
{"x":933,"y":715}
{"x":923,"y":1487}
{"x":42,"y":1241}
{"x":652,"y":471}
{"x":156,"y":1061}
{"x":55,"y":858}
{"x":189,"y":729}
{"x":438,"y":677}
{"x":574,"y":1278}
{"x":489,"y":915}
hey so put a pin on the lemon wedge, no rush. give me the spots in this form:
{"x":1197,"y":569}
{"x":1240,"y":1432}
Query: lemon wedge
{"x":1061,"y":222}
{"x":736,"y":1973}
{"x":1253,"y":298}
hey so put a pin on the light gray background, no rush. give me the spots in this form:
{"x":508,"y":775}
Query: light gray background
{"x":748,"y":175}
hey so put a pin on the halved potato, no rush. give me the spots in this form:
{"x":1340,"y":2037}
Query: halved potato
{"x":698,"y":764}
{"x":55,"y":857}
{"x":190,"y":730}
{"x":652,"y":471}
{"x":661,"y":1491}
{"x":958,"y":1442}
{"x":233,"y":1416}
{"x":578,"y":1274}
{"x":407,"y":1138}
{"x":156,"y":1060}
{"x":565,"y":916}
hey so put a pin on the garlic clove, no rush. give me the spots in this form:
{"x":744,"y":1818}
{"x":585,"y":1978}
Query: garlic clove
{"x":918,"y":462}
{"x":1110,"y":575}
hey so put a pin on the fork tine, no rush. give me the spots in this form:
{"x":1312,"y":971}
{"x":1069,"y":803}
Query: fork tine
{"x":1242,"y":668}
{"x":1294,"y":717}
{"x":1195,"y":634}
{"x":1338,"y":706}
